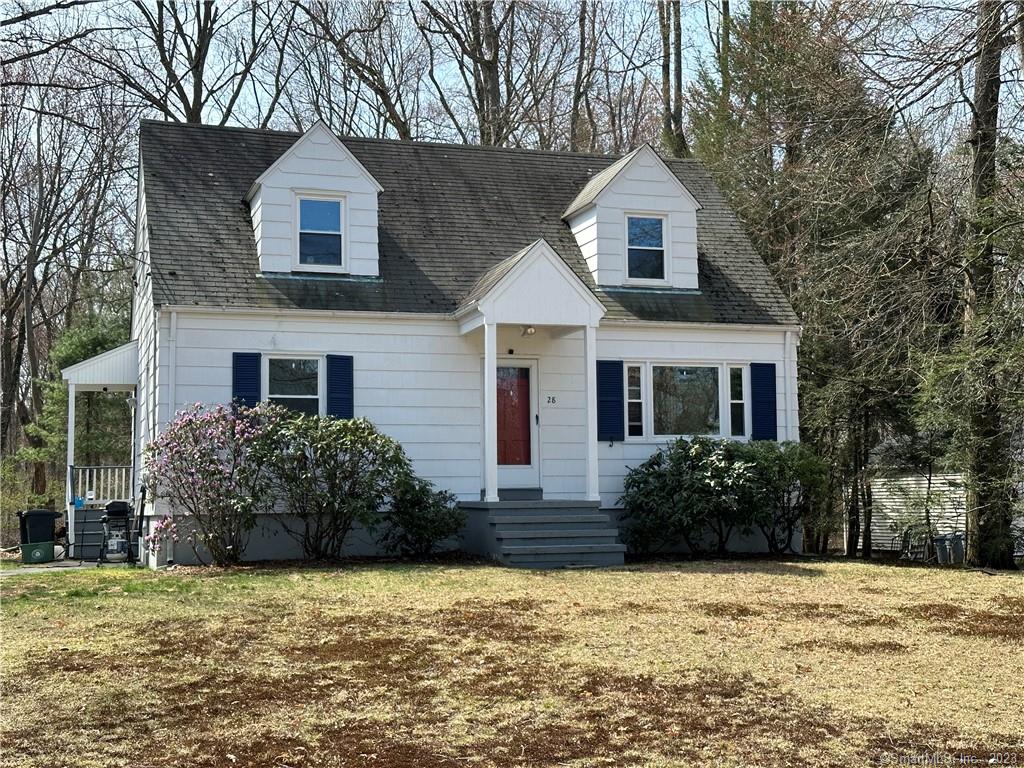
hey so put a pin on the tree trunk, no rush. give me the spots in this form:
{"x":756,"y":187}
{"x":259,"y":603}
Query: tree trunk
{"x":864,"y":482}
{"x":989,"y":507}
{"x":853,"y":511}
{"x":580,"y":82}
{"x":669,"y":25}
{"x":724,"y":45}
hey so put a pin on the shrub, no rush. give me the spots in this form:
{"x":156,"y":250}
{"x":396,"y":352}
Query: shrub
{"x":330,"y":474}
{"x":788,"y":481}
{"x":419,"y":518}
{"x":206,"y":464}
{"x":684,"y":491}
{"x":688,"y":490}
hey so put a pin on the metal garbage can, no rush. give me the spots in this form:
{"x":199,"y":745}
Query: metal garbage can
{"x":38,"y":531}
{"x":941,"y":549}
{"x":957,"y":548}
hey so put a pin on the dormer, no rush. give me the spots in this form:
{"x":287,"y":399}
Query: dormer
{"x":315,"y":210}
{"x":636,"y":224}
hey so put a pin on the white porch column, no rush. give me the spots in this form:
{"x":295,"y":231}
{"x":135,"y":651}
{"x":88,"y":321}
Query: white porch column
{"x":69,"y":476}
{"x":590,"y":366}
{"x":490,"y":412}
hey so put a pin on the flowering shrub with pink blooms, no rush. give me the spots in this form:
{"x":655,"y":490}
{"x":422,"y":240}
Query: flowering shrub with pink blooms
{"x":206,"y":464}
{"x":163,"y":530}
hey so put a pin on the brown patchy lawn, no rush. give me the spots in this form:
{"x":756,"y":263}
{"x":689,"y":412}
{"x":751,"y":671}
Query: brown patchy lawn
{"x":710,"y":663}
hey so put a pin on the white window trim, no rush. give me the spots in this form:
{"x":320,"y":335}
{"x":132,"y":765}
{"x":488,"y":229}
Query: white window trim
{"x":724,"y":401}
{"x":332,"y":197}
{"x":666,"y":234}
{"x":321,"y":376}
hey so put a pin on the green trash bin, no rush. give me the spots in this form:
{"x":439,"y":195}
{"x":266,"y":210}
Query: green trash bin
{"x":37,"y":553}
{"x":38,"y":531}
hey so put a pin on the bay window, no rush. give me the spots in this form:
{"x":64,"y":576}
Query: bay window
{"x":634,"y":401}
{"x":737,"y":403}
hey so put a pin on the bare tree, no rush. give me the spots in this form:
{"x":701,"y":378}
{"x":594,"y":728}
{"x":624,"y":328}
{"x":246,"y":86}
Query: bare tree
{"x":669,"y":24}
{"x":478,"y":38}
{"x":65,"y":159}
{"x":194,"y":62}
{"x":28,"y":31}
{"x":375,"y":43}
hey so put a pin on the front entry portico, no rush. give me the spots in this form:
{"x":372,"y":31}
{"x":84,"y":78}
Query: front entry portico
{"x":532,"y":291}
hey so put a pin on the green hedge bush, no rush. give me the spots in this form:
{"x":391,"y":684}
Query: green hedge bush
{"x":706,"y":490}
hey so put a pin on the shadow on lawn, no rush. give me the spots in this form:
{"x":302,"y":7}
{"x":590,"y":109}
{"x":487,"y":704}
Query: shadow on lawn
{"x":783,"y":566}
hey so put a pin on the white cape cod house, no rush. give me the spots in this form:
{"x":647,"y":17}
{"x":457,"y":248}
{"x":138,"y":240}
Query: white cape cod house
{"x":527,"y":324}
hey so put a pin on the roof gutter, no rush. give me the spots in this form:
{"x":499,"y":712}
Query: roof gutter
{"x":195,"y":309}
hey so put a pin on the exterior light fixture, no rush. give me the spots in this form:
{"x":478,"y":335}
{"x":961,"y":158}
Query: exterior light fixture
{"x":529,"y":330}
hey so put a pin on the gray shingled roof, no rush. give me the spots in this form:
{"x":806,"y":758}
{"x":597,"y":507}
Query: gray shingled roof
{"x":597,"y":183}
{"x":448,"y":215}
{"x":490,"y":278}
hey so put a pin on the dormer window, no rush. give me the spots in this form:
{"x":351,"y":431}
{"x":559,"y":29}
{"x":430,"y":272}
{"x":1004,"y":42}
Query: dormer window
{"x":645,"y":248}
{"x":321,"y":244}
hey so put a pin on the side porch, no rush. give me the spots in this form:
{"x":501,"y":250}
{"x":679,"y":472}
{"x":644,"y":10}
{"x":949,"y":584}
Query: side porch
{"x":90,"y":487}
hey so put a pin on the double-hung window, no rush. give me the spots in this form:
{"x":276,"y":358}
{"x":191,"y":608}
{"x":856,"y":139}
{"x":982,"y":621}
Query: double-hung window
{"x":737,"y":403}
{"x":634,"y":401}
{"x":645,"y":252}
{"x":294,"y":382}
{"x":685,"y":400}
{"x":320,"y":232}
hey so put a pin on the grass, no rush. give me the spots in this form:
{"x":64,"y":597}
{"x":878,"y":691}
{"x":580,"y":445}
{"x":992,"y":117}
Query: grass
{"x":716,"y":663}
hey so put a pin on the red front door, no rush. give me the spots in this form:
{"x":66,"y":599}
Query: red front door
{"x":514,"y":415}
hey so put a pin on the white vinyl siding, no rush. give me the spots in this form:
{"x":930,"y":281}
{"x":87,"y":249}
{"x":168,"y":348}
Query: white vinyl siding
{"x":419,"y":381}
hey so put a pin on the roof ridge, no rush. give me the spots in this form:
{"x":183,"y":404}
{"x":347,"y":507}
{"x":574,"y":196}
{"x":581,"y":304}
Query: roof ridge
{"x":381,"y":140}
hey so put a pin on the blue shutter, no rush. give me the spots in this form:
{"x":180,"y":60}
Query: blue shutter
{"x":762,"y":402}
{"x":339,"y":386}
{"x":245,"y":378}
{"x":611,"y":406}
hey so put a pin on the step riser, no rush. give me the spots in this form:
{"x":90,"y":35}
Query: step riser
{"x":595,"y":541}
{"x":574,"y":520}
{"x":555,"y":531}
{"x":544,"y":531}
{"x":587,"y":528}
{"x":567,"y":550}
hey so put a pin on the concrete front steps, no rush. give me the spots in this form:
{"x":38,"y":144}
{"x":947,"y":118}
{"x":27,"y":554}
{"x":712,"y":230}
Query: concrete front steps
{"x":543,"y":533}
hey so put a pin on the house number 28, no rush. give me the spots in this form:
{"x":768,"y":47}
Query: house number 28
{"x":552,"y":400}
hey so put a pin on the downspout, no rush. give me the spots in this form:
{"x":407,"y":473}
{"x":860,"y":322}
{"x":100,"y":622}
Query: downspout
{"x":786,"y":394}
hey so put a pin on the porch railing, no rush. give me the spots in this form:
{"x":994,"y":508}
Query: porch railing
{"x":95,"y":485}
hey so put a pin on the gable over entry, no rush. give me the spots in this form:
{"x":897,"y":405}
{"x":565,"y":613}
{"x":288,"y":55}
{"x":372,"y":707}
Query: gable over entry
{"x":534,"y":287}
